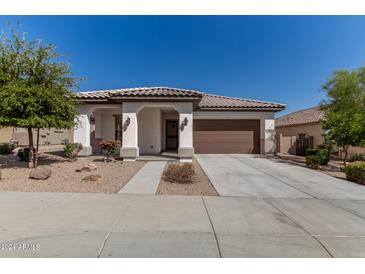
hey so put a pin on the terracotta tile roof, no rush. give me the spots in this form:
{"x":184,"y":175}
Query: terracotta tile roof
{"x":306,"y":116}
{"x":139,"y":92}
{"x":212,"y":102}
{"x":207,"y":101}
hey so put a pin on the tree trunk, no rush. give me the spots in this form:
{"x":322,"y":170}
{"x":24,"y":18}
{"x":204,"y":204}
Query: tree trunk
{"x":36,"y":150}
{"x":345,"y":149}
{"x":30,"y":158}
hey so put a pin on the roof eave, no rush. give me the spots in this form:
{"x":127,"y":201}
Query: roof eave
{"x":272,"y":109}
{"x":300,"y":124}
{"x":125,"y":99}
{"x":130,"y":98}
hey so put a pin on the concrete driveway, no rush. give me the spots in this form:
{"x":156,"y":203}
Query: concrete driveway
{"x":256,"y":176}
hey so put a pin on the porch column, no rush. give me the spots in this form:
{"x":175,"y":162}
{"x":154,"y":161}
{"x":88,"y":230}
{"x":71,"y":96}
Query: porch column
{"x":98,"y":131}
{"x":129,"y":150}
{"x":268,"y":140}
{"x":82,"y":133}
{"x":186,"y":150}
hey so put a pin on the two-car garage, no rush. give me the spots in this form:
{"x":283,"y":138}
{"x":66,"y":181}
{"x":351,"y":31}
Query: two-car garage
{"x":226,"y":136}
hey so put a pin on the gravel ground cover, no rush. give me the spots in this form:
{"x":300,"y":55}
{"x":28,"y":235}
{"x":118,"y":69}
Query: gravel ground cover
{"x":64,"y":178}
{"x":201,"y":184}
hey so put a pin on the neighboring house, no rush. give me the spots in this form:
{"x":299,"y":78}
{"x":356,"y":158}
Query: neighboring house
{"x":298,"y":130}
{"x":304,"y":126}
{"x":50,"y":136}
{"x":152,"y":120}
{"x":5,"y":134}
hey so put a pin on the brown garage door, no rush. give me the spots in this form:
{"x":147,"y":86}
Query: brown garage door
{"x":226,"y":136}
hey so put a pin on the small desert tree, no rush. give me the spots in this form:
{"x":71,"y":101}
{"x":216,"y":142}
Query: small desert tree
{"x":345,"y":109}
{"x":345,"y":129}
{"x":35,"y":87}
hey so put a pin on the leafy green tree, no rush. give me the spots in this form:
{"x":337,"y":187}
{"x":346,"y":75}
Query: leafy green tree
{"x":35,"y":87}
{"x":345,"y":129}
{"x":345,"y":109}
{"x":346,"y":91}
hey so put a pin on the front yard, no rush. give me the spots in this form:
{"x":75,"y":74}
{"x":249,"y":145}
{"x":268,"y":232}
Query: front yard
{"x":106,"y":177}
{"x":64,"y":178}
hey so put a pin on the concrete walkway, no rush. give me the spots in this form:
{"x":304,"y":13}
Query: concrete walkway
{"x":117,"y":225}
{"x":146,"y":180}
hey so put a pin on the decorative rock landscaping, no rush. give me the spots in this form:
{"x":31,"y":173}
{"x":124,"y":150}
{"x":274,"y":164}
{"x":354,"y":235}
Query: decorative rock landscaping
{"x":40,"y":173}
{"x":96,"y":175}
{"x":88,"y":167}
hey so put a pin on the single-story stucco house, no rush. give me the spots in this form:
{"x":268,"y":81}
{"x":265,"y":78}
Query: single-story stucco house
{"x":302,"y":124}
{"x":155,"y":119}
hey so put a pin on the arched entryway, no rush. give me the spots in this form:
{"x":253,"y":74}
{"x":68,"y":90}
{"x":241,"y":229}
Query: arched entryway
{"x":145,"y":121}
{"x":157,"y":129}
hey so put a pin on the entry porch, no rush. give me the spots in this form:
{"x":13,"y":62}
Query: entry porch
{"x":144,"y":128}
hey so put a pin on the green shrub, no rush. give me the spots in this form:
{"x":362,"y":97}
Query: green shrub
{"x":179,"y":173}
{"x":329,"y":147}
{"x":355,"y":172}
{"x":6,"y":148}
{"x":23,"y":154}
{"x":71,"y":150}
{"x":312,"y":161}
{"x":323,"y":155}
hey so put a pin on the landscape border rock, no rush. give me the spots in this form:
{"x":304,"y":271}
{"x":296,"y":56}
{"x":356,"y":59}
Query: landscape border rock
{"x":88,"y":167}
{"x":92,"y":177}
{"x":40,"y":173}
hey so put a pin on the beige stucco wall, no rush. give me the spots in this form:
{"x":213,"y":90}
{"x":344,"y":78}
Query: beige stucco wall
{"x":353,"y":151}
{"x":6,"y":134}
{"x":286,"y":144}
{"x":50,"y":136}
{"x":286,"y":136}
{"x":107,"y":123}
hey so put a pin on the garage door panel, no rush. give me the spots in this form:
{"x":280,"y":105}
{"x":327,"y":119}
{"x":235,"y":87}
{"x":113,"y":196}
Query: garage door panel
{"x":226,"y":136}
{"x":229,"y":141}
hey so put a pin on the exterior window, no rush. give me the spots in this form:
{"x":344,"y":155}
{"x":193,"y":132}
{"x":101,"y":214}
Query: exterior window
{"x":118,"y":128}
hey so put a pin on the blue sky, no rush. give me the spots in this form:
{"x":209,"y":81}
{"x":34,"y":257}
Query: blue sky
{"x":275,"y":58}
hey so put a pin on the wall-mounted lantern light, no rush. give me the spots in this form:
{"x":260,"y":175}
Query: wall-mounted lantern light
{"x":126,"y":123}
{"x":184,"y":123}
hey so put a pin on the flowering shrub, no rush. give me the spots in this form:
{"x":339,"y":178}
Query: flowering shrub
{"x":109,"y":148}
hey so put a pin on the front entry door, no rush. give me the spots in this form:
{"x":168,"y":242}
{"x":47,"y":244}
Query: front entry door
{"x":171,"y":135}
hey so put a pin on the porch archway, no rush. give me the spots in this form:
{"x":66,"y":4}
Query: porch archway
{"x":157,"y":129}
